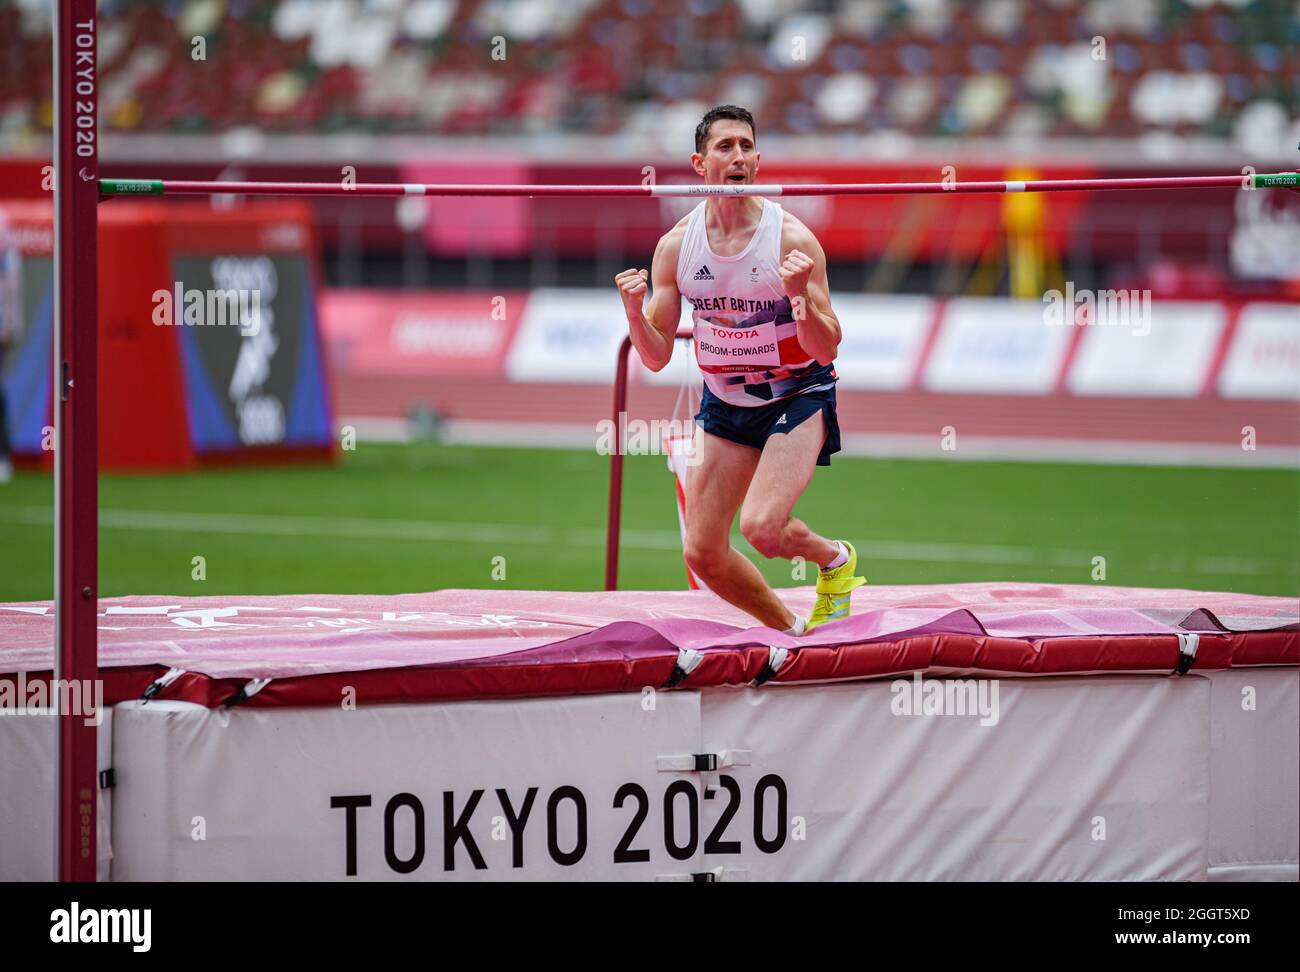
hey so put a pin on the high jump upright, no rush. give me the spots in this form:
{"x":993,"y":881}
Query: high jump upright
{"x":76,"y":434}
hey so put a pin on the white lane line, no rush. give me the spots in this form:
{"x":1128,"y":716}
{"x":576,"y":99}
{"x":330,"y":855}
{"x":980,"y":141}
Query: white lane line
{"x":904,"y":551}
{"x":867,"y":445}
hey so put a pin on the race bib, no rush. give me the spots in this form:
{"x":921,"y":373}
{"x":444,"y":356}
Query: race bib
{"x":748,"y":348}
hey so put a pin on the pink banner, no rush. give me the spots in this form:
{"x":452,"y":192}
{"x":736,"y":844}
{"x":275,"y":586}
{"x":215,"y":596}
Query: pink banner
{"x":427,"y":333}
{"x":466,"y":225}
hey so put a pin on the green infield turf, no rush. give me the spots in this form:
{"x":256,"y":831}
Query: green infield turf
{"x":392,"y":518}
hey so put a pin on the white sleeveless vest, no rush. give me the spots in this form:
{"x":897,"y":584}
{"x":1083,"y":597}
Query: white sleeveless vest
{"x":746,"y":339}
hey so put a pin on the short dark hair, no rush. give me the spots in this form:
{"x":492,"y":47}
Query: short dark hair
{"x":733,"y":112}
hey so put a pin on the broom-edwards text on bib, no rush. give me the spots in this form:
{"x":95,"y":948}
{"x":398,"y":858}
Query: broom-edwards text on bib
{"x":745,"y":348}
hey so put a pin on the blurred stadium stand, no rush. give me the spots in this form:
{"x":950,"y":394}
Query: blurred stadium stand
{"x":996,"y":68}
{"x":283,"y":89}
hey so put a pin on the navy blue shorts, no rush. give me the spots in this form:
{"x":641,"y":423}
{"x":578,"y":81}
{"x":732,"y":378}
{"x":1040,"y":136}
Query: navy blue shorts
{"x":752,"y":425}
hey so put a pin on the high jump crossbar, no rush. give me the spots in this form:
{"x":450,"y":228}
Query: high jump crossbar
{"x":109,"y":188}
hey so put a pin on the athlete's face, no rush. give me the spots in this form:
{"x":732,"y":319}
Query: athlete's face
{"x":729,"y":155}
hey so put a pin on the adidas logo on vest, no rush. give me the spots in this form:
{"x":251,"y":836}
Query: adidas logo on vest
{"x":703,"y":273}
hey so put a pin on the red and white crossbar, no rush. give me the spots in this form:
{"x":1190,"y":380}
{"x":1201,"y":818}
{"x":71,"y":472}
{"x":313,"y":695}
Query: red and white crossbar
{"x":173,"y":187}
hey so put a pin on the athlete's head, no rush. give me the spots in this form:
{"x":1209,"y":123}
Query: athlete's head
{"x":724,"y":146}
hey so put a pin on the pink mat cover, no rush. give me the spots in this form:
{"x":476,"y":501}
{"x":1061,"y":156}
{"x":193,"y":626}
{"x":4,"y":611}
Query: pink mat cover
{"x":289,"y":636}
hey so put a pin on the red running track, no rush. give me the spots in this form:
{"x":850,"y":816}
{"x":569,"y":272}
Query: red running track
{"x":1200,"y":421}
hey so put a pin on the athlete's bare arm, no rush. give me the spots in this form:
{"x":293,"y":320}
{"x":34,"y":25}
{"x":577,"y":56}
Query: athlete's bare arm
{"x":654,"y":327}
{"x":803,"y":275}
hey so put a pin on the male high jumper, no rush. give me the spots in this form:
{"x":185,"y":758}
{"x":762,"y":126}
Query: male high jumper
{"x":765,"y":340}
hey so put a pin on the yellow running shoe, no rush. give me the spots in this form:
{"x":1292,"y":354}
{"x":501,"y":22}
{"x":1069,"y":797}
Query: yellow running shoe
{"x":833,"y":587}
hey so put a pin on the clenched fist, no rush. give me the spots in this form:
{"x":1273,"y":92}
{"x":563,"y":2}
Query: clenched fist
{"x":796,"y":268}
{"x":632,"y":287}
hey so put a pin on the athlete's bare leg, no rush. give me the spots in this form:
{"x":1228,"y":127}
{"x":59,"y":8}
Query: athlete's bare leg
{"x":715,"y":489}
{"x":783,"y":473}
